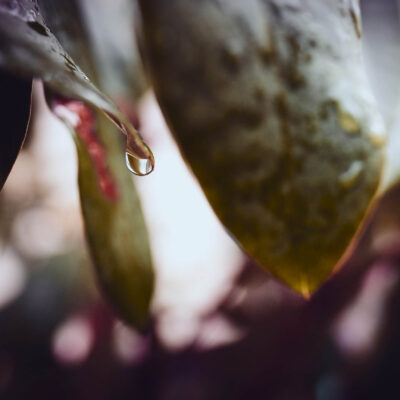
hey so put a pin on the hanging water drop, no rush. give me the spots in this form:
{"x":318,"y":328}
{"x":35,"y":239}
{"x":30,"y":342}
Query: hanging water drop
{"x":139,"y":166}
{"x":138,"y":156}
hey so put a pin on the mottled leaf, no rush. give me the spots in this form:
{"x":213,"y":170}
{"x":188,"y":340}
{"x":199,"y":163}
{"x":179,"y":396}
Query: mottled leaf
{"x":271,"y":106}
{"x":15,"y":106}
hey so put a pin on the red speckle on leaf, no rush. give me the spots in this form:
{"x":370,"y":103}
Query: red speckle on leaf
{"x":82,"y":119}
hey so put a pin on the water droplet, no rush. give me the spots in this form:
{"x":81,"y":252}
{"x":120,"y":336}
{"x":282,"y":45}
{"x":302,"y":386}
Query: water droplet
{"x":139,"y":166}
{"x":138,"y":156}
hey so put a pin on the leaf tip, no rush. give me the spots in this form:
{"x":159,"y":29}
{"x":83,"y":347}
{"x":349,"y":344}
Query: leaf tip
{"x":304,"y":288}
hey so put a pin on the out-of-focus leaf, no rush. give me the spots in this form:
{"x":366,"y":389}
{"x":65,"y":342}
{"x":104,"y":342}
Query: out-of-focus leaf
{"x":64,"y":19}
{"x":271,"y":106}
{"x":112,"y":27}
{"x":114,"y":223}
{"x":28,"y":48}
{"x":15,"y":105}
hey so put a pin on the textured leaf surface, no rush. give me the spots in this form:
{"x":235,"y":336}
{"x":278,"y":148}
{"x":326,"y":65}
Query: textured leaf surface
{"x":15,"y":105}
{"x":270,"y":104}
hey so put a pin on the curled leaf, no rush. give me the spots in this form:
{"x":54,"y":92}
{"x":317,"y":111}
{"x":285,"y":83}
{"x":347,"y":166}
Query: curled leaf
{"x":271,"y":106}
{"x":28,"y":48}
{"x":15,"y":106}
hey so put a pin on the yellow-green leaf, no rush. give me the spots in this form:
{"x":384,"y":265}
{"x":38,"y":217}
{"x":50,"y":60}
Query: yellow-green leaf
{"x":271,"y":106}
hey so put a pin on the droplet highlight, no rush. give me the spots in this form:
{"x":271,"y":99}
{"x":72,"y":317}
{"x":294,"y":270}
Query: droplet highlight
{"x":352,"y":175}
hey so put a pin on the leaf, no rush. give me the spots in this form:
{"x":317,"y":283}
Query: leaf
{"x":65,"y":20}
{"x":114,"y":223}
{"x":118,"y":235}
{"x":15,"y":106}
{"x":271,"y":107}
{"x":113,"y":27}
{"x":115,"y":226}
{"x":28,"y":48}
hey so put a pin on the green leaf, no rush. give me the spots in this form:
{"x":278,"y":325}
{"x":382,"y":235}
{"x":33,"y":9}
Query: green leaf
{"x":114,"y":223}
{"x":271,"y":106}
{"x":115,"y":226}
{"x":117,"y":233}
{"x":15,"y":106}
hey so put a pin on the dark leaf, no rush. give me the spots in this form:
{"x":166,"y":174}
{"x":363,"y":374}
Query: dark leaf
{"x":15,"y":105}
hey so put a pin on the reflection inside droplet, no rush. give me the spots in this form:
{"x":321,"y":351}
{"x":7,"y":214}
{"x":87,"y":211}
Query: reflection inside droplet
{"x":139,"y":166}
{"x":138,"y":156}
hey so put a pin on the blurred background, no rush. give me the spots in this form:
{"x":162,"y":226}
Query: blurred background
{"x":222,"y":328}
